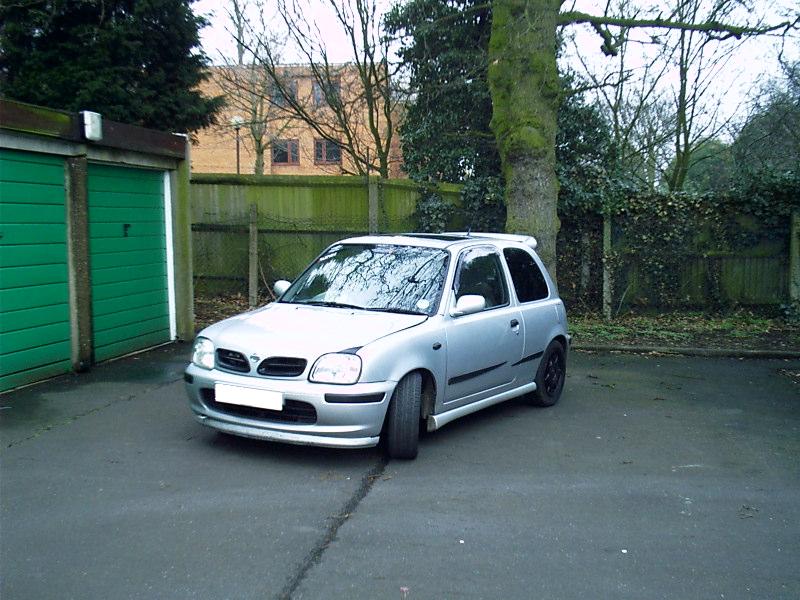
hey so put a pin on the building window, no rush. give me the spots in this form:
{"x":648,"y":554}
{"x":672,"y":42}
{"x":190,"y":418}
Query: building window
{"x":286,"y":152}
{"x":327,"y":152}
{"x":278,"y":94}
{"x":318,"y":91}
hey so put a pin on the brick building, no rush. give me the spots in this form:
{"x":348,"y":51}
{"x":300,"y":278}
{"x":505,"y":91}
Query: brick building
{"x":289,"y":146}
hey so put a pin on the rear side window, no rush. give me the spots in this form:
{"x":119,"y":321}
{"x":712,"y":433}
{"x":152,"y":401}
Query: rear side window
{"x":481,"y":273}
{"x":526,"y":275}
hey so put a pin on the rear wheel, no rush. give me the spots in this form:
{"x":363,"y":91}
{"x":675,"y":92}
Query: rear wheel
{"x":402,"y":418}
{"x":550,"y":376}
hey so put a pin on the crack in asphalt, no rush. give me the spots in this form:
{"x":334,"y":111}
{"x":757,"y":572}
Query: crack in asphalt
{"x":314,"y":557}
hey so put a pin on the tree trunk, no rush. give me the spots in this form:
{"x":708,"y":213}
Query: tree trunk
{"x":682,"y":139}
{"x":258,"y":165}
{"x":523,"y":80}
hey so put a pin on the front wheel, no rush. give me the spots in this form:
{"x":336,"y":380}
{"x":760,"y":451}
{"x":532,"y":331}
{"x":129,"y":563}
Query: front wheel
{"x":402,"y":418}
{"x":550,"y":376}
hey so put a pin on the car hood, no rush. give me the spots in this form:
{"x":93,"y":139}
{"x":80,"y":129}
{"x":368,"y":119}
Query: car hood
{"x":282,"y":329}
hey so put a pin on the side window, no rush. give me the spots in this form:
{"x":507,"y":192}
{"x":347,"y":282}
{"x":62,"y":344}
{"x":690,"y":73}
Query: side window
{"x":480,"y":273}
{"x":529,"y":282}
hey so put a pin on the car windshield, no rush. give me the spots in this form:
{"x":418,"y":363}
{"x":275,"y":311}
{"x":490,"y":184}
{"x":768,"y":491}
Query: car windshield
{"x":378,"y":277}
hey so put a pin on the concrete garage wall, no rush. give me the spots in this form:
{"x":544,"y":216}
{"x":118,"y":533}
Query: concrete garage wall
{"x":74,"y":239}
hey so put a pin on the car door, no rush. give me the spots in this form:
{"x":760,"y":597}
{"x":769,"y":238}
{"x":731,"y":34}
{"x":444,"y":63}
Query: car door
{"x":540,"y":309}
{"x":483,"y":346}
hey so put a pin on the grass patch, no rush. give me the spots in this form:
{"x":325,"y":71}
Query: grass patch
{"x":739,"y":330}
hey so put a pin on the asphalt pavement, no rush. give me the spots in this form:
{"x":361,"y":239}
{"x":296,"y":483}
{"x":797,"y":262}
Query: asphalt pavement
{"x":654,"y":477}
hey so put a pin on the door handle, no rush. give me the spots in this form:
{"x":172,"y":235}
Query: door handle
{"x":514,"y":323}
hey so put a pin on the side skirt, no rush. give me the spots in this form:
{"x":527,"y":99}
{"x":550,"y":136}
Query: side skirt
{"x":438,"y":421}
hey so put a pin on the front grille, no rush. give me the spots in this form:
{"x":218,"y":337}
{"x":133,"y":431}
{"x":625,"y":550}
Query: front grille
{"x":294,"y":411}
{"x":282,"y":366}
{"x":232,"y":360}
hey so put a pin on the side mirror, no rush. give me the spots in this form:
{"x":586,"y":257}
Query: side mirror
{"x":280,"y":287}
{"x":469,"y":304}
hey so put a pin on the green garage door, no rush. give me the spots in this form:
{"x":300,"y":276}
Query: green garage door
{"x":34,"y":295}
{"x":128,"y":257}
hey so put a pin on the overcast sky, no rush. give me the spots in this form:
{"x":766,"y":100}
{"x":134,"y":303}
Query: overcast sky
{"x":754,"y":62}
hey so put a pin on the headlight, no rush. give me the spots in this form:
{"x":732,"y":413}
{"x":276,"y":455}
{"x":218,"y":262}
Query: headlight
{"x":203,"y":353}
{"x":336,"y":368}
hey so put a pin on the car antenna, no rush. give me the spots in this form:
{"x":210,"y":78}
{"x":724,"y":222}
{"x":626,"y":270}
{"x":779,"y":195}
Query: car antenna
{"x":469,"y":230}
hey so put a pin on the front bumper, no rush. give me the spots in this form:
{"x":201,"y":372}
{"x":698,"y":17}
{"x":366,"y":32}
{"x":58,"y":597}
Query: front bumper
{"x":335,"y":424}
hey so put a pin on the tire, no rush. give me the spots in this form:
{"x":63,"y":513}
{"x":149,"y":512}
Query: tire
{"x":402,"y":418}
{"x":550,"y":376}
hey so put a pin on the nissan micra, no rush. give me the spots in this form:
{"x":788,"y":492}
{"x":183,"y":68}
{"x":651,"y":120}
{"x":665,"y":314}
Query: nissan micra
{"x":383,"y":335}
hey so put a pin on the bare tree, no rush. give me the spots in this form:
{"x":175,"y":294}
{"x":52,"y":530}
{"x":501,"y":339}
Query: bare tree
{"x":631,"y":92}
{"x":246,"y":83}
{"x":652,"y":134}
{"x":664,"y":108}
{"x":700,"y":62}
{"x":350,"y":106}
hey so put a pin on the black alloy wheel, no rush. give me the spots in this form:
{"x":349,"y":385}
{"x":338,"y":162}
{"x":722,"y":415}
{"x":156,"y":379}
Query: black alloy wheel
{"x":550,"y":375}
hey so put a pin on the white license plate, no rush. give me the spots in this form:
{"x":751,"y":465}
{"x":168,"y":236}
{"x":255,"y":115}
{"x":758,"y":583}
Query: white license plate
{"x":244,"y":396}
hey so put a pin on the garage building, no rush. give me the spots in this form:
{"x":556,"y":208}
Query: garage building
{"x":95,"y":257}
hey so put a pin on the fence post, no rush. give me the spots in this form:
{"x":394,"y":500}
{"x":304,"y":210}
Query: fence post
{"x":607,"y":282}
{"x":372,"y":185}
{"x":794,"y":257}
{"x":253,"y":262}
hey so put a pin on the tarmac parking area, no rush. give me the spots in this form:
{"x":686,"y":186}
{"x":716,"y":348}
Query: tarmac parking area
{"x":654,"y":477}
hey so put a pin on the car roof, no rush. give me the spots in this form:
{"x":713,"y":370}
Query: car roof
{"x":441,"y":240}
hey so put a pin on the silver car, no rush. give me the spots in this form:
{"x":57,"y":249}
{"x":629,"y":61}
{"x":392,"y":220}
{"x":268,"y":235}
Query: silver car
{"x":382,"y":334}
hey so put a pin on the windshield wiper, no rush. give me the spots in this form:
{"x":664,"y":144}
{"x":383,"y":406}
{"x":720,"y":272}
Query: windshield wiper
{"x":401,"y":311}
{"x":330,"y":304}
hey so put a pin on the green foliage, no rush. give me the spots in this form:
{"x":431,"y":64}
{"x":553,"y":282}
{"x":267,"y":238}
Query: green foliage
{"x":770,"y":139}
{"x":659,"y":232}
{"x":445,"y":133}
{"x":583,"y":153}
{"x":769,"y":197}
{"x":711,"y":168}
{"x":135,"y":61}
{"x":432,"y":212}
{"x":656,"y":234}
{"x":482,"y":202}
{"x":583,"y":167}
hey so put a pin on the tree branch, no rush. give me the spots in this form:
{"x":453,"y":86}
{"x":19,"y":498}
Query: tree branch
{"x":716,"y":29}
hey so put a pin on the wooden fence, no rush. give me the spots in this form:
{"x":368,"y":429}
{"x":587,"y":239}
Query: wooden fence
{"x":249,"y":231}
{"x":292,"y":219}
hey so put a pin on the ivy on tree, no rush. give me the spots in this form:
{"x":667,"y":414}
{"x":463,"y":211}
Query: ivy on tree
{"x":135,"y":61}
